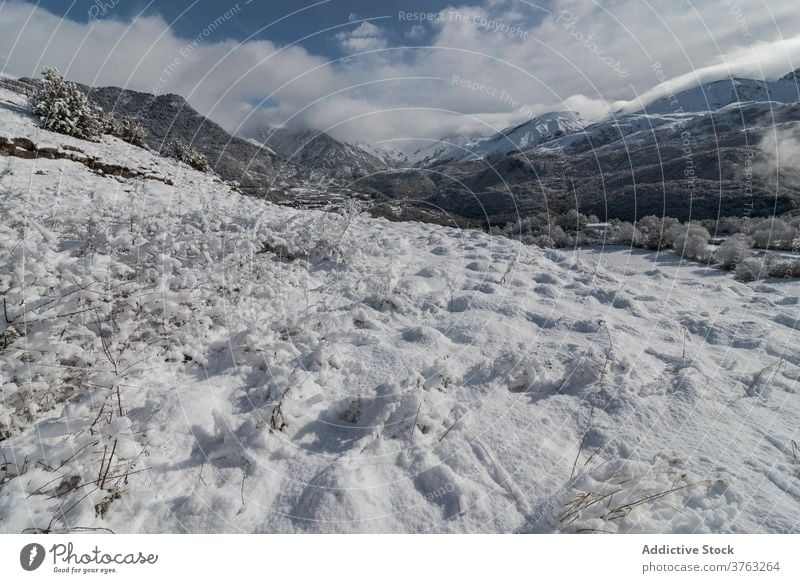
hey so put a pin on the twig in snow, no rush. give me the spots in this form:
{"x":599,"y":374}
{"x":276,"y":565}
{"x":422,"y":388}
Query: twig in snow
{"x":583,"y":440}
{"x":609,"y":352}
{"x":748,"y":392}
{"x":276,"y":419}
{"x":414,"y":426}
{"x":108,"y":467}
{"x":96,"y":419}
{"x":66,"y":461}
{"x":5,"y":313}
{"x":625,"y":509}
{"x":506,"y":483}
{"x":683,"y":356}
{"x":510,"y":267}
{"x":581,"y":502}
{"x":102,"y":465}
{"x":451,"y":427}
{"x":244,"y":477}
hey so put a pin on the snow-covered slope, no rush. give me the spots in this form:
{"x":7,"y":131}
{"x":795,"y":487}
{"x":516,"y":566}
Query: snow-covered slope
{"x":536,"y":131}
{"x":425,"y":152}
{"x":716,"y":94}
{"x":318,"y":150}
{"x":184,"y":358}
{"x":383,"y":152}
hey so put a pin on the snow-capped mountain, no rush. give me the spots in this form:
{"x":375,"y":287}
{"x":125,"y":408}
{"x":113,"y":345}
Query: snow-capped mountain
{"x":626,"y":167}
{"x":556,"y":130}
{"x":319,"y":151}
{"x":178,"y":357}
{"x":792,"y":77}
{"x":536,"y":131}
{"x":716,"y":94}
{"x":386,"y":154}
{"x":424,"y":152}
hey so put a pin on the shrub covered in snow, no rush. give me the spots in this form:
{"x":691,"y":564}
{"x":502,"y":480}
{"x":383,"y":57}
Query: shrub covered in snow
{"x":188,"y":154}
{"x":751,"y":269}
{"x":691,"y":241}
{"x":559,"y":237}
{"x":542,"y":229}
{"x":723,"y":225}
{"x":732,"y":251}
{"x":656,"y":232}
{"x":129,"y":130}
{"x":63,"y":108}
{"x":543,"y":241}
{"x":572,"y":221}
{"x":788,"y":268}
{"x":625,"y":233}
{"x":773,"y":233}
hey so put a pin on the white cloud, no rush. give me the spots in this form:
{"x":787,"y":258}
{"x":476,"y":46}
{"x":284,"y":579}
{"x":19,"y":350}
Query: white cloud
{"x":365,"y":37}
{"x":780,"y":156}
{"x":547,"y":65}
{"x":752,"y":61}
{"x":417,"y":31}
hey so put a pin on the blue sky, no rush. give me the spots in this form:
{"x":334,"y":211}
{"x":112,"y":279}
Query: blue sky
{"x":343,"y":66}
{"x":189,"y":16}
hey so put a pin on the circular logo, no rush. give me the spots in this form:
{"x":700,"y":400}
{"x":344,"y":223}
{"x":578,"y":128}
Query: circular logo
{"x":31,"y":556}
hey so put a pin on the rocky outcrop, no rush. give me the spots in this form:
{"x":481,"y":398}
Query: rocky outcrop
{"x":25,"y":148}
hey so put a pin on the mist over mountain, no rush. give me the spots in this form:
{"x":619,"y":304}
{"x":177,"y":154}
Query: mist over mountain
{"x":692,"y":164}
{"x":319,"y":151}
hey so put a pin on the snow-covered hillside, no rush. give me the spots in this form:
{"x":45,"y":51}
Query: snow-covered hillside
{"x":318,"y":150}
{"x":536,"y":131}
{"x":184,"y":358}
{"x":713,"y":95}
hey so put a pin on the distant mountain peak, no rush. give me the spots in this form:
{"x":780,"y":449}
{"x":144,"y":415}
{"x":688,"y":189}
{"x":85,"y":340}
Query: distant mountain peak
{"x":794,"y":76}
{"x":714,"y":95}
{"x":317,"y":150}
{"x":528,"y":134}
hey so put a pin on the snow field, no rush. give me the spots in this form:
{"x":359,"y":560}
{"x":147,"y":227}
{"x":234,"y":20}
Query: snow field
{"x":185,"y":359}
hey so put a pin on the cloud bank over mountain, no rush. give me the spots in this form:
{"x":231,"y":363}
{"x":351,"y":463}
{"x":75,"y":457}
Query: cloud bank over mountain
{"x":518,"y":59}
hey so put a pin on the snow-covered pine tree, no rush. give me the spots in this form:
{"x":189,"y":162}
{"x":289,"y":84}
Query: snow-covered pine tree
{"x":65,"y":109}
{"x":129,"y":130}
{"x":187,"y":154}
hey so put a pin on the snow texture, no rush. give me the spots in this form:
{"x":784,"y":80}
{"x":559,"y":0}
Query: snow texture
{"x":182,"y":358}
